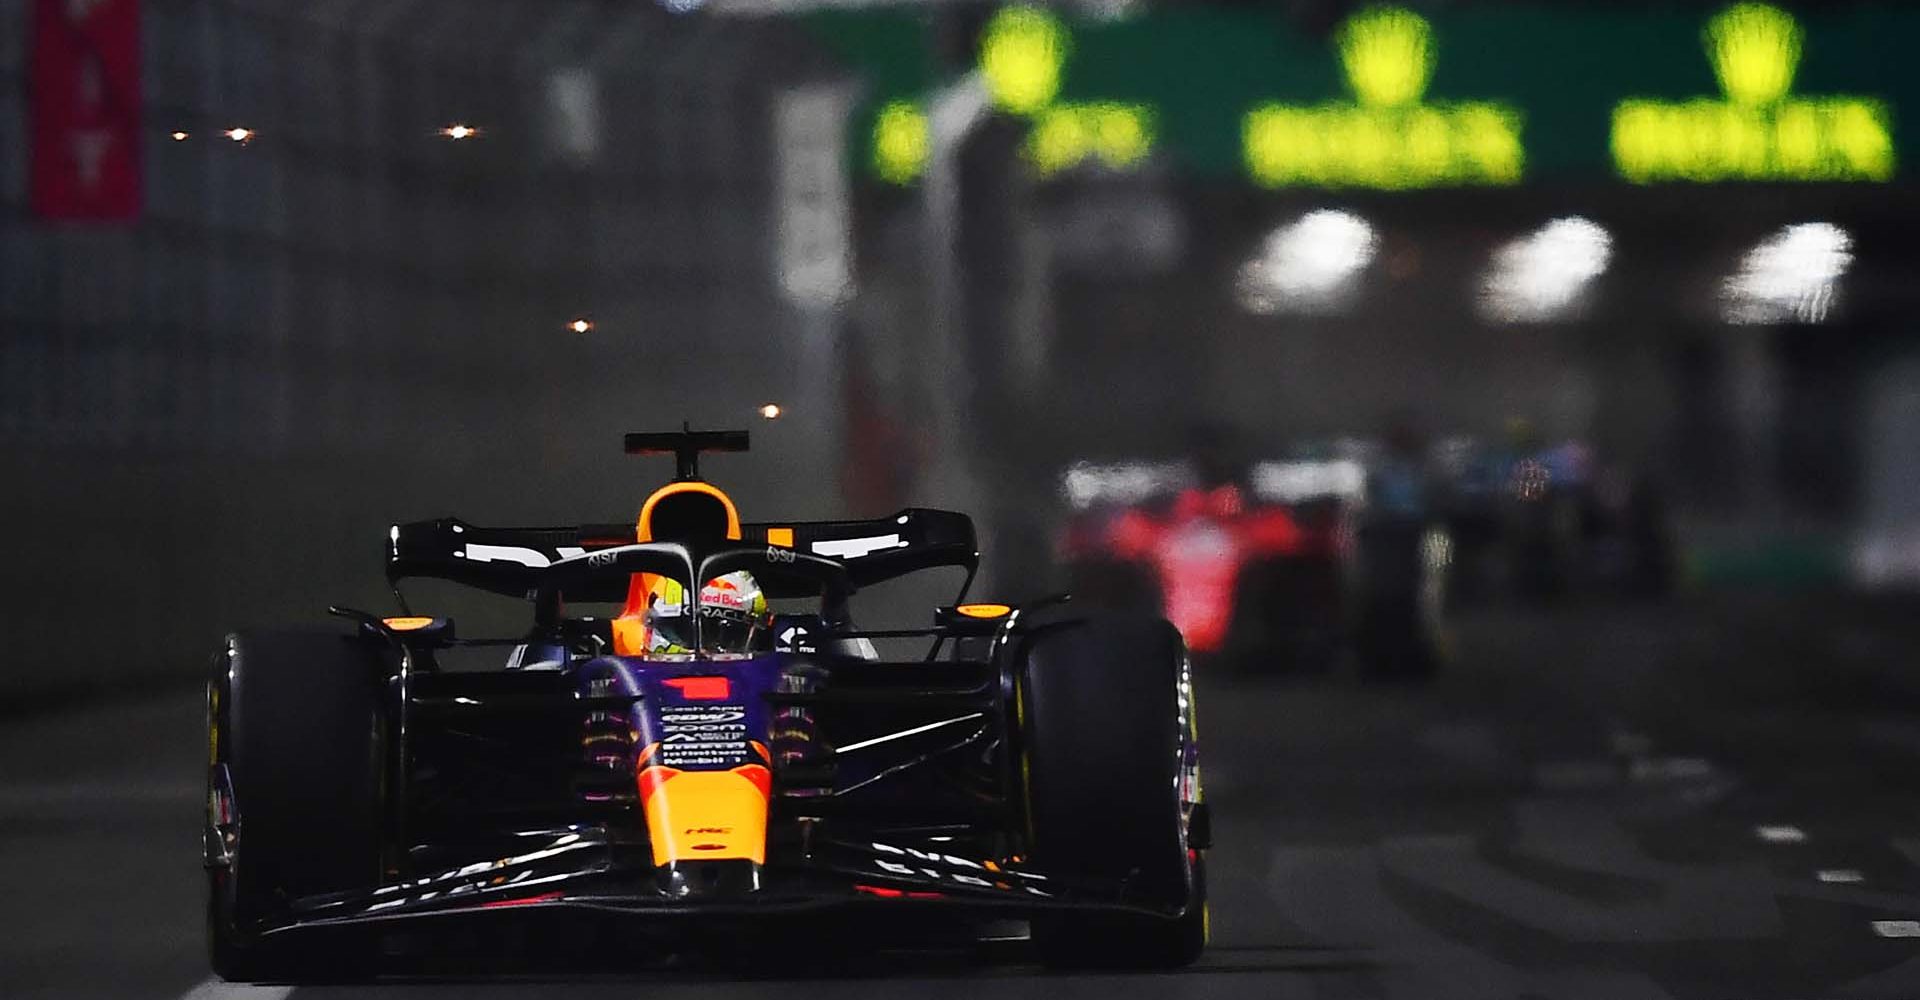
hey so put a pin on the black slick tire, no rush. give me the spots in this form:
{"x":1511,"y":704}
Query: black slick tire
{"x":1105,"y":724}
{"x":297,"y":733}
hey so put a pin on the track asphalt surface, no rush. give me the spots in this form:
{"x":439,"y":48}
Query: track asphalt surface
{"x":1710,"y":800}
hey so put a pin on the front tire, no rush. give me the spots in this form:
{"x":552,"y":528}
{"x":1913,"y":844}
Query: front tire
{"x":297,"y":750}
{"x":1110,"y":767}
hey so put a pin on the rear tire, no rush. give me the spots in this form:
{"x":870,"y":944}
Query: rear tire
{"x":1111,"y":774}
{"x":297,"y":724}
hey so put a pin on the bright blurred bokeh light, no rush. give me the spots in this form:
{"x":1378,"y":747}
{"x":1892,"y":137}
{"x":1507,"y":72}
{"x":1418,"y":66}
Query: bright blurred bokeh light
{"x":770,"y":411}
{"x":1117,"y":135}
{"x":581,"y":325}
{"x":902,"y":142}
{"x":1308,"y":266}
{"x":239,"y":134}
{"x":1022,"y":53}
{"x":1087,"y":484}
{"x":1760,"y":132}
{"x":1792,"y":276}
{"x":1755,"y":50}
{"x":1388,"y":55}
{"x":1540,"y":277}
{"x":1386,"y":138}
{"x":459,"y":131}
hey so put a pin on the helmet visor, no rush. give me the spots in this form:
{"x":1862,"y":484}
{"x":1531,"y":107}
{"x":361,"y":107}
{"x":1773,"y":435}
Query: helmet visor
{"x":722,"y":630}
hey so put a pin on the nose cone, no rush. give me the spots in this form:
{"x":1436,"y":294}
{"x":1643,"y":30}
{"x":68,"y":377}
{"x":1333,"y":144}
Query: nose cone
{"x":706,"y":815}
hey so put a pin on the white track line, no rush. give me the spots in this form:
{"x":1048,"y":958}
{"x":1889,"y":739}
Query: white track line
{"x":216,"y":989}
{"x":55,"y":795}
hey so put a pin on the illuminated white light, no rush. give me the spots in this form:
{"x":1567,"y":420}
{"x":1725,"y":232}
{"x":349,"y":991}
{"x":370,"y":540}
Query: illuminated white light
{"x":1124,"y":483}
{"x":1308,"y":266}
{"x":1843,"y":876}
{"x":1539,"y":277}
{"x":1781,"y":834}
{"x":179,"y":135}
{"x":1790,"y":276}
{"x":771,"y":411}
{"x":239,"y":134}
{"x":580,"y":326}
{"x":1292,"y":482}
{"x":458,"y":131}
{"x":1111,"y":10}
{"x":904,"y":733}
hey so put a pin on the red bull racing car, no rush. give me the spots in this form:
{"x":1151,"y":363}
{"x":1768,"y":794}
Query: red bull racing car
{"x":1025,"y":768}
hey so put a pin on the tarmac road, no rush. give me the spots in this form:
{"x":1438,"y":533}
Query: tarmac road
{"x":1712,"y":801}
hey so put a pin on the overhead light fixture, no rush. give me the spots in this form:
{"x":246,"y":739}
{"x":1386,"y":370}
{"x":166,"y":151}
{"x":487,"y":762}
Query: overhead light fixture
{"x":178,"y":135}
{"x":459,"y":131}
{"x":1540,"y":277}
{"x":238,"y":134}
{"x":1309,"y":265}
{"x":580,"y":325}
{"x":771,"y":411}
{"x":1792,"y":276}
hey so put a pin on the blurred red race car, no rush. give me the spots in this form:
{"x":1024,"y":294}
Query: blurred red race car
{"x":1247,"y":569}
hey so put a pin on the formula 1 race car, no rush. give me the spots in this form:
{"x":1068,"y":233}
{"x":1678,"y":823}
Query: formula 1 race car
{"x":1285,"y":564}
{"x":1025,"y":767}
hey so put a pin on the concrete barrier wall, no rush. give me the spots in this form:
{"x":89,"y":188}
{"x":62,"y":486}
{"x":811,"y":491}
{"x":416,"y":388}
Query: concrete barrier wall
{"x":209,"y":417}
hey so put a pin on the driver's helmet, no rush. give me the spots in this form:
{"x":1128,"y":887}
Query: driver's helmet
{"x":732,"y":607}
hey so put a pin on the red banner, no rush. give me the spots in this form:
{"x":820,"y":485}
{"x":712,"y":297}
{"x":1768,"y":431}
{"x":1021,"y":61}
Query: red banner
{"x":85,"y":106}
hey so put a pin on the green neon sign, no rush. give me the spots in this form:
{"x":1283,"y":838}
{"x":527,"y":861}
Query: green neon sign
{"x":1023,"y":56}
{"x":1759,"y":132}
{"x":1456,"y":95}
{"x":1022,"y":53}
{"x":1386,"y":137}
{"x":902,"y":142}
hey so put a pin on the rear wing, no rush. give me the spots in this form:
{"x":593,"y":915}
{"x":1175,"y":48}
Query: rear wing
{"x":514,"y":561}
{"x":1087,"y":486}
